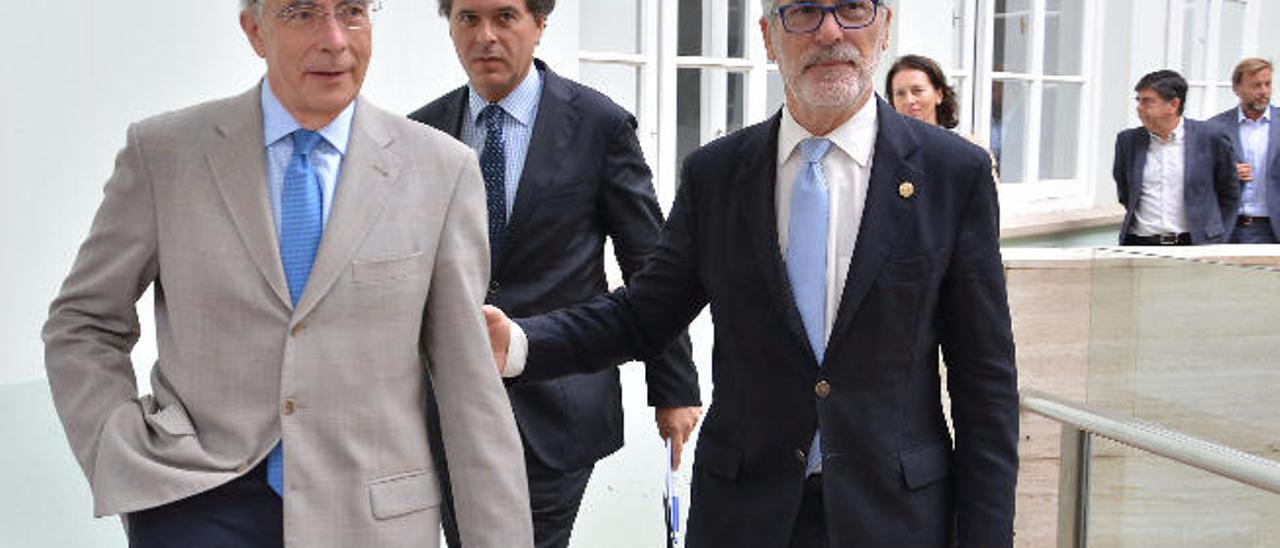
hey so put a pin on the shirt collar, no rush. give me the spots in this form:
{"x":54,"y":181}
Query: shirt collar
{"x":277,"y":123}
{"x":519,"y":104}
{"x":1265,"y":119}
{"x":1174,"y":137}
{"x":856,"y":137}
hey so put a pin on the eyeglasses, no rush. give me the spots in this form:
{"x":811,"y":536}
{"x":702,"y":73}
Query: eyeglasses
{"x":309,"y":16}
{"x":802,"y":17}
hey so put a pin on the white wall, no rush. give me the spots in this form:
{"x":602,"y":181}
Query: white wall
{"x":77,"y":73}
{"x":84,"y":70}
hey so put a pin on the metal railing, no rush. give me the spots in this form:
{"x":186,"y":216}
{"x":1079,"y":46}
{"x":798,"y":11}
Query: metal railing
{"x":1080,"y":424}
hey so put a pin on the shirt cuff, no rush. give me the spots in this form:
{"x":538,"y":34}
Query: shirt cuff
{"x":517,"y":352}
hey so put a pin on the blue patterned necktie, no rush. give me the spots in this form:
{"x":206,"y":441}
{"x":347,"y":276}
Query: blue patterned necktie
{"x":301,"y":225}
{"x":807,"y":256}
{"x":493,"y":166}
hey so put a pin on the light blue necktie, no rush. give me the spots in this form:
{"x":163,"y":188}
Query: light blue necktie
{"x":493,"y":167}
{"x":301,"y":225}
{"x":807,"y":257}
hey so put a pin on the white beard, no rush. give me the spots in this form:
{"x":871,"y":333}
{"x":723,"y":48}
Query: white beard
{"x":833,"y":90}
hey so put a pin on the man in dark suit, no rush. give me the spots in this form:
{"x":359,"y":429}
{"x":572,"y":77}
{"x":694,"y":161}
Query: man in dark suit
{"x":1255,"y":137}
{"x":839,"y":245}
{"x":564,"y":171}
{"x":1174,"y":176}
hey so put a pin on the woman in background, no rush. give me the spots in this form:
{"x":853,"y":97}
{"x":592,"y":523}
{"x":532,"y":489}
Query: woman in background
{"x":917,"y":87}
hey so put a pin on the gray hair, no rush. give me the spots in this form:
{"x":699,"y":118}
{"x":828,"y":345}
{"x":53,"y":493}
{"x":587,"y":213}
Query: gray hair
{"x":255,"y":5}
{"x":769,"y":5}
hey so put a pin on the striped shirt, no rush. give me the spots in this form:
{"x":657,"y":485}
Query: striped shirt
{"x":520,"y":109}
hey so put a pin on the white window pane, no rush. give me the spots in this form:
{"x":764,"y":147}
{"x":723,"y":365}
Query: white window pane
{"x":737,"y":14}
{"x":711,"y":28}
{"x":774,"y":94}
{"x":689,"y":28}
{"x":735,"y":101}
{"x":1060,"y":138}
{"x":1232,"y":46}
{"x":1012,"y":35}
{"x":1064,"y":29}
{"x":1195,"y":38}
{"x":1195,"y":102}
{"x":709,"y":103}
{"x":610,"y":25}
{"x":1269,"y":39}
{"x":1226,"y":99}
{"x":620,"y":82}
{"x":959,"y":22}
{"x":1009,"y":100}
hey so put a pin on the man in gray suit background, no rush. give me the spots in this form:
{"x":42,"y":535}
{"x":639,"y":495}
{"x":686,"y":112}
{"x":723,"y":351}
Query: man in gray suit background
{"x":1174,"y":176}
{"x":314,"y":258}
{"x":1255,"y":136}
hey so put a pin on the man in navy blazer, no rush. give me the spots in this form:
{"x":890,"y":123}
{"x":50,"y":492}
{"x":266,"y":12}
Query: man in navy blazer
{"x":826,"y":427}
{"x":573,"y":174}
{"x":1255,"y":137}
{"x":1174,"y":176}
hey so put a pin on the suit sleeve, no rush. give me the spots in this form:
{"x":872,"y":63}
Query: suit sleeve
{"x":977,"y":344}
{"x":633,"y":220}
{"x":93,"y":322}
{"x":482,"y":446}
{"x":637,"y":321}
{"x":1225,"y":181}
{"x":1120,"y":170}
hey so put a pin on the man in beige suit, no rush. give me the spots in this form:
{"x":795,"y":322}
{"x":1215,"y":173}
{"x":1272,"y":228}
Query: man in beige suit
{"x":315,"y":260}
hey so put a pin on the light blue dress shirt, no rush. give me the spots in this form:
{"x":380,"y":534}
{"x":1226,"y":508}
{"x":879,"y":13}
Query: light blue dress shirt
{"x":1254,"y":138}
{"x":520,"y":108}
{"x":277,"y":127}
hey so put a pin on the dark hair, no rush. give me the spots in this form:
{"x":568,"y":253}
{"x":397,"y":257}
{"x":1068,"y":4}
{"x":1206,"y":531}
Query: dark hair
{"x":1169,"y":85}
{"x":949,"y":109}
{"x":539,"y":8}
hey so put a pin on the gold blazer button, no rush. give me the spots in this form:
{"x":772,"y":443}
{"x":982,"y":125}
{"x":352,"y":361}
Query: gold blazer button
{"x":906,"y":189}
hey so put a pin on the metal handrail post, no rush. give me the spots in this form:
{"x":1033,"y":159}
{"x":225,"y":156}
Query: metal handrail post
{"x":1073,"y":488}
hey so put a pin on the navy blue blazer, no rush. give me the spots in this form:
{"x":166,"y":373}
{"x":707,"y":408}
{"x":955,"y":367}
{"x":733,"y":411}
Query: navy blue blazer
{"x":926,"y":273}
{"x":1211,"y":192}
{"x":1230,"y":120}
{"x":584,"y":179}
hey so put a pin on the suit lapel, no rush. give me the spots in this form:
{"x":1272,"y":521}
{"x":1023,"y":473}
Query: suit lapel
{"x":884,"y":212}
{"x":758,"y":215}
{"x":238,"y":164}
{"x":368,"y":175}
{"x":452,"y":121}
{"x":1273,"y":145}
{"x":552,"y":133}
{"x":1140,"y":144}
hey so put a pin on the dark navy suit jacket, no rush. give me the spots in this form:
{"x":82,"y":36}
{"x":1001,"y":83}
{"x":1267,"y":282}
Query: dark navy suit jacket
{"x":1210,"y":193}
{"x":926,"y":273}
{"x":584,"y":178}
{"x":1230,"y":120}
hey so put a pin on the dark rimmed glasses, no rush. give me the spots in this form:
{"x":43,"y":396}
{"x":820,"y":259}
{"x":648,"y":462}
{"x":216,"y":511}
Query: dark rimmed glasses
{"x":802,"y":17}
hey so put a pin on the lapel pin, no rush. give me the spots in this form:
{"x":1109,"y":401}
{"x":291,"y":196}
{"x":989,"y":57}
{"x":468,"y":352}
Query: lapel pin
{"x":906,"y":189}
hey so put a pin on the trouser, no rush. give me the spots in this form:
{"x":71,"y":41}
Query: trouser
{"x":243,"y":513}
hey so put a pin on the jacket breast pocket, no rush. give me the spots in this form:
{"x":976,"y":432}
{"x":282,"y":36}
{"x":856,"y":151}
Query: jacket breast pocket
{"x":382,"y":269}
{"x":403,"y":494}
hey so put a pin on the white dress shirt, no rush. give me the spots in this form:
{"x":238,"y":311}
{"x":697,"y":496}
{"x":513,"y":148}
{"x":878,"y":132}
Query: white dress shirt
{"x":1255,"y":137}
{"x":847,"y":167}
{"x":1160,"y":207}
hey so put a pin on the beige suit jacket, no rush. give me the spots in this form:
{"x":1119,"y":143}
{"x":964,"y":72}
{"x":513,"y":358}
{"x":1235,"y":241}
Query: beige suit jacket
{"x":393,"y":299}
